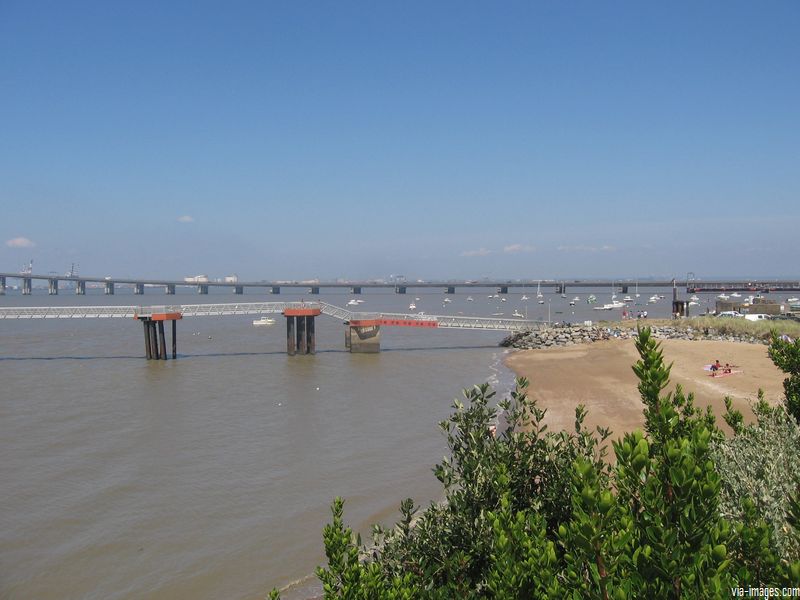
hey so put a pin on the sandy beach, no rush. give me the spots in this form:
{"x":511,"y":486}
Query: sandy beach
{"x":599,"y":376}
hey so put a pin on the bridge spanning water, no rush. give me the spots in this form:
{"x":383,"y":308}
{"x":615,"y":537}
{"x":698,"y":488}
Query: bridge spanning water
{"x":362,"y":333}
{"x":449,"y":286}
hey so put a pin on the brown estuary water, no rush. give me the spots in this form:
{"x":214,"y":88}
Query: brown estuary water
{"x":212,"y":476}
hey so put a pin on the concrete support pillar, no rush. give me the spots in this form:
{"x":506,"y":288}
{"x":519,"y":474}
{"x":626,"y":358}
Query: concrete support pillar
{"x":2,"y":286}
{"x":52,"y":287}
{"x":300,"y":330}
{"x":162,"y":341}
{"x":311,"y":335}
{"x":291,"y":336}
{"x":138,"y":289}
{"x":153,"y":340}
{"x":503,"y":289}
{"x":148,"y":349}
{"x":313,"y":290}
{"x":109,"y":288}
{"x":276,"y":289}
{"x":356,"y":289}
{"x":80,"y":288}
{"x":238,"y":290}
{"x":155,"y":335}
{"x":302,"y":341}
{"x":347,"y":336}
{"x":26,"y":286}
{"x":202,"y":289}
{"x":400,"y":289}
{"x":365,"y":336}
{"x":624,"y":288}
{"x":450,"y":290}
{"x":170,"y":289}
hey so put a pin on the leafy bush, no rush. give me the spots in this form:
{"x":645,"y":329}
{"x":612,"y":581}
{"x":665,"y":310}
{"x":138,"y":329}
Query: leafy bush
{"x":786,"y":356}
{"x":760,"y":470}
{"x":529,"y":513}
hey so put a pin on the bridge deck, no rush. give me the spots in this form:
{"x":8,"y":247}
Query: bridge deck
{"x":261,"y":308}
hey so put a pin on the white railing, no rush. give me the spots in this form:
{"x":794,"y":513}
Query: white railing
{"x":259,"y":308}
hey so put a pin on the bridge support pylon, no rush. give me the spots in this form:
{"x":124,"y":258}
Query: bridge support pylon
{"x":355,"y":289}
{"x":80,"y":288}
{"x":276,"y":289}
{"x":450,"y":290}
{"x":503,"y":289}
{"x":138,"y":289}
{"x":202,"y":289}
{"x":155,"y":339}
{"x":400,"y":289}
{"x":26,"y":286}
{"x":169,"y":289}
{"x":238,"y":290}
{"x":109,"y":288}
{"x":363,"y":336}
{"x":52,"y":287}
{"x":301,"y":337}
{"x":2,"y":286}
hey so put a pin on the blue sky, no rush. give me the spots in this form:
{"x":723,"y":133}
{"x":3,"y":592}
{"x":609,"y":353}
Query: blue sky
{"x":446,"y":139}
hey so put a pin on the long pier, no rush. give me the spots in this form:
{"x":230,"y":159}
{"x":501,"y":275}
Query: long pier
{"x":362,"y":332}
{"x":169,"y":286}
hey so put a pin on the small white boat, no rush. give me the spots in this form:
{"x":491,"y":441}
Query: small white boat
{"x":447,"y":301}
{"x":503,"y":299}
{"x":723,"y":296}
{"x":693,"y":303}
{"x":353,"y":302}
{"x":736,"y":295}
{"x":263,"y":321}
{"x":518,"y":314}
{"x":497,"y":314}
{"x":541,"y":301}
{"x":694,"y":298}
{"x":412,"y":306}
{"x":469,"y":299}
{"x":524,"y":297}
{"x":627,"y":299}
{"x":793,"y":299}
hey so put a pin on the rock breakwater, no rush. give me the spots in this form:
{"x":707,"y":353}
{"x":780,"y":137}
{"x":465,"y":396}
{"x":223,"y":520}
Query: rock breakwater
{"x":570,"y":335}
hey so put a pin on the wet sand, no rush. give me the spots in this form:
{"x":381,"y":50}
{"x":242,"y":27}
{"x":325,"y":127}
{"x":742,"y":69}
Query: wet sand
{"x":600,"y":377}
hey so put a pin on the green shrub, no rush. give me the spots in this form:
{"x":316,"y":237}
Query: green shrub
{"x":529,"y":513}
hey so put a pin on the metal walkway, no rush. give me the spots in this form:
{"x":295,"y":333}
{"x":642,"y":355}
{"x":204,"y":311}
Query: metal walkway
{"x":262,"y":308}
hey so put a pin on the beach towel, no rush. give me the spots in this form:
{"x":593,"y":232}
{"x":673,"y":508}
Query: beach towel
{"x":721,"y":374}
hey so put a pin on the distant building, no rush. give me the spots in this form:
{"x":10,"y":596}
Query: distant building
{"x":196,"y":279}
{"x":759,"y":306}
{"x":232,"y":278}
